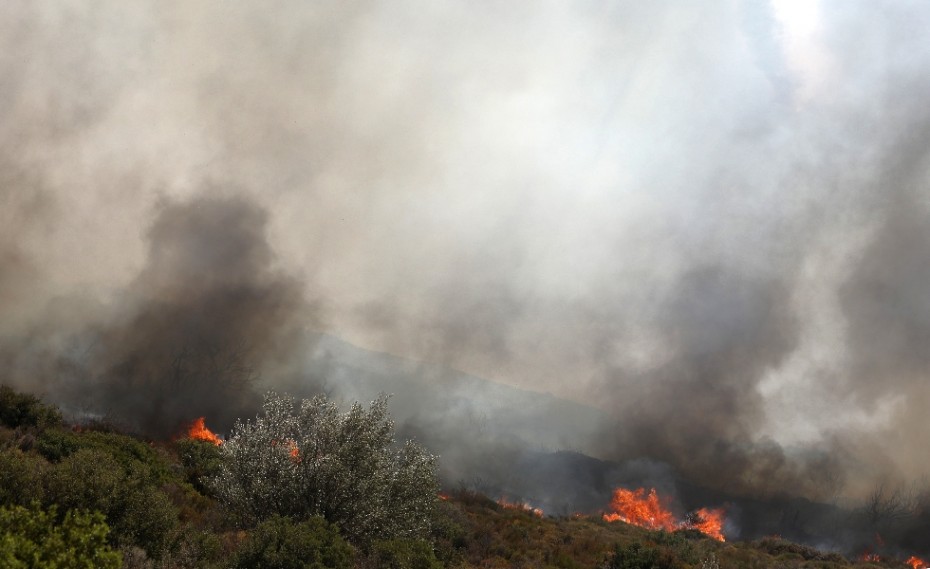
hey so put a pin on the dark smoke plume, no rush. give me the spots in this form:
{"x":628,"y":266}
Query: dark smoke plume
{"x":701,"y":409}
{"x":193,"y":332}
{"x":207,"y":312}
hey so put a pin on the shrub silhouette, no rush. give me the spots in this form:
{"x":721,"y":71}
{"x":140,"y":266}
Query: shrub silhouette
{"x":24,"y":410}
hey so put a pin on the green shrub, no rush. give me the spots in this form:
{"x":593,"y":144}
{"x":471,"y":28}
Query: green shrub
{"x":636,"y":556}
{"x":308,"y":459}
{"x":31,"y":538}
{"x":403,"y":554}
{"x":281,"y":543}
{"x":449,"y":537}
{"x":58,"y":444}
{"x":21,"y":477}
{"x":137,"y":511}
{"x":24,"y":410}
{"x":201,"y":460}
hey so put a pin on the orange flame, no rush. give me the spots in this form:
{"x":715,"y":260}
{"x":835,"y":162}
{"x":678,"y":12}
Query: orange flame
{"x":292,"y":450}
{"x":645,"y":510}
{"x":709,"y":522}
{"x":870,"y":557}
{"x":635,"y":507}
{"x":916,"y":563}
{"x":199,"y":431}
{"x":520,"y":506}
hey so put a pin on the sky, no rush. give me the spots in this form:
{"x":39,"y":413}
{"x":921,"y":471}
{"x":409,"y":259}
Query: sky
{"x":677,"y":212}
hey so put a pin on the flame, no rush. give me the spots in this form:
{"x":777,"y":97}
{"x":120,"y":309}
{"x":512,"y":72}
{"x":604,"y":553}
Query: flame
{"x":916,"y":563}
{"x":199,"y":431}
{"x":645,"y":510}
{"x":709,"y":522}
{"x":443,"y":496}
{"x":292,"y":450}
{"x":522,"y":506}
{"x":635,"y":507}
{"x":870,"y":557}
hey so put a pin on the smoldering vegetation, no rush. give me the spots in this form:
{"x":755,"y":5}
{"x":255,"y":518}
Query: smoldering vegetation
{"x":705,"y":226}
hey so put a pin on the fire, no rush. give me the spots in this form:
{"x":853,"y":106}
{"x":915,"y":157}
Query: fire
{"x":292,"y":450}
{"x":709,"y":522}
{"x":638,"y":508}
{"x":916,"y":563}
{"x":870,"y":558}
{"x":635,"y":507}
{"x":520,"y":506}
{"x":199,"y":431}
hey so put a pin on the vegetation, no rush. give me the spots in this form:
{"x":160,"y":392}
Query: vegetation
{"x":24,"y":410}
{"x":281,"y":543}
{"x":101,"y":498}
{"x":308,"y":459}
{"x":31,"y":538}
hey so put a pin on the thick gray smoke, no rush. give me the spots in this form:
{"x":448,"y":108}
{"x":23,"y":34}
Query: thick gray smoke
{"x":206,"y":314}
{"x":707,"y":220}
{"x":191,"y":335}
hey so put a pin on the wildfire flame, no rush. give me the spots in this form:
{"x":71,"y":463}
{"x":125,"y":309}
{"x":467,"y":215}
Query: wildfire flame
{"x":638,"y":508}
{"x":916,"y":563}
{"x":520,"y":506}
{"x":709,"y":522}
{"x":199,"y":431}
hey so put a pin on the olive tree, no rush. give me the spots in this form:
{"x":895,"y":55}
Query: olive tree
{"x":306,"y":458}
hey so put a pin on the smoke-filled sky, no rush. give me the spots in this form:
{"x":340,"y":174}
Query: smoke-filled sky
{"x":707,"y":218}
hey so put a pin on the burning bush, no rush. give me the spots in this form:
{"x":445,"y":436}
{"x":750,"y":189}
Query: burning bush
{"x":308,"y":459}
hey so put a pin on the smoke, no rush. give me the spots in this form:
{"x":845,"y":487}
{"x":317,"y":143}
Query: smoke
{"x":207,"y":314}
{"x":708,"y":221}
{"x":190,"y":336}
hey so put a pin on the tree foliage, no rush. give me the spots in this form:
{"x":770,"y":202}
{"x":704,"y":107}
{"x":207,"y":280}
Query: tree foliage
{"x":280,"y":543}
{"x":24,"y":410}
{"x":137,"y":511}
{"x":403,"y":554}
{"x":303,"y":459}
{"x":31,"y":538}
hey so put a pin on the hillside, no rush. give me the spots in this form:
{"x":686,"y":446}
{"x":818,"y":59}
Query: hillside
{"x":159,"y":512}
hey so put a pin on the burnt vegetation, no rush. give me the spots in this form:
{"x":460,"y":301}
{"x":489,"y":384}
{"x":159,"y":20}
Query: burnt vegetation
{"x":112,"y":499}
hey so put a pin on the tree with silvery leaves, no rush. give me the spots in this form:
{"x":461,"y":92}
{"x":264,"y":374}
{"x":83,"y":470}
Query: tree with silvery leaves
{"x":306,"y":458}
